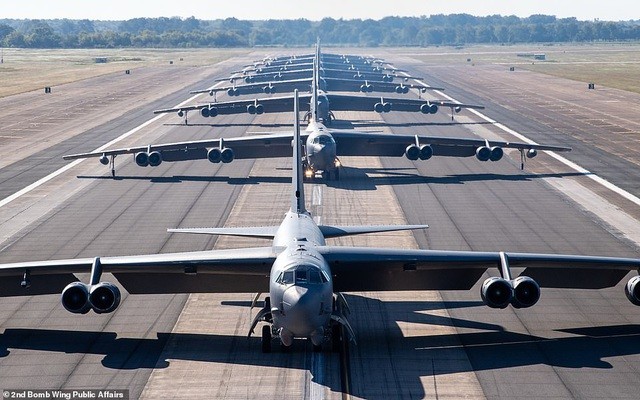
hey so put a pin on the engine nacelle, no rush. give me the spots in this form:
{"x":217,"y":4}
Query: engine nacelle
{"x":214,"y":155}
{"x":532,"y":153}
{"x":496,"y":292}
{"x":426,"y":152}
{"x":269,"y":89}
{"x":259,"y":109}
{"x":429,"y":108}
{"x":209,"y":112}
{"x":104,"y":297}
{"x":154,"y":158}
{"x":632,"y":290}
{"x":104,"y":160}
{"x":227,"y":155}
{"x":142,"y":158}
{"x":457,"y":109}
{"x":496,"y":153}
{"x":251,"y":109}
{"x":378,"y":107}
{"x":412,"y":152}
{"x":402,"y":89}
{"x":180,"y":113}
{"x":75,"y":298}
{"x":526,"y":292}
{"x":483,"y":153}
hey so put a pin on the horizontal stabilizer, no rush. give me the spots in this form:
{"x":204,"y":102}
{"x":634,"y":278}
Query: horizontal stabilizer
{"x":339,"y":231}
{"x":266,"y":232}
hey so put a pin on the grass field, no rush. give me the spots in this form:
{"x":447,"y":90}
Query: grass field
{"x":24,"y":70}
{"x":613,"y":65}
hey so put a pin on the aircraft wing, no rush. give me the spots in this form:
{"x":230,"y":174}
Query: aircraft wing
{"x":379,"y":144}
{"x":269,"y":105}
{"x":287,"y":86}
{"x":340,"y":102}
{"x":358,"y":85}
{"x":214,"y":271}
{"x":256,"y":146}
{"x":381,"y":269}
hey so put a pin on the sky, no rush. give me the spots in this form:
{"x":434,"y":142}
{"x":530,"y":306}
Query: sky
{"x":606,"y":10}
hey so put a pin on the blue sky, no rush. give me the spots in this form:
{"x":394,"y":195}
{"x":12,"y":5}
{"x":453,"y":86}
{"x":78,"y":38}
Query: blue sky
{"x":613,"y":10}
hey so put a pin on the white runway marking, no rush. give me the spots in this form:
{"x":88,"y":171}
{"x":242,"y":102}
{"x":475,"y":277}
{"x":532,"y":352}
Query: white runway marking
{"x":563,"y":160}
{"x":67,"y":167}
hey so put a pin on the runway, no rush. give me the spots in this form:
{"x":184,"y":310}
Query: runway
{"x":572,"y":344}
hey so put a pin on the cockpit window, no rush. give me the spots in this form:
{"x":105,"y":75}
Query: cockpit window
{"x":302,"y":275}
{"x":286,"y":278}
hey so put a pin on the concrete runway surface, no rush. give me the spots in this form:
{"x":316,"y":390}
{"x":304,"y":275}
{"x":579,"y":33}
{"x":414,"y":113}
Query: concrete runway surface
{"x":572,"y":344}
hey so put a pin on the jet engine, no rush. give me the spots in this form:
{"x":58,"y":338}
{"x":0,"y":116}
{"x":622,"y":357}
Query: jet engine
{"x":233,"y":92}
{"x":75,"y":298}
{"x":255,"y":109}
{"x":214,"y":155}
{"x":226,"y":155}
{"x":154,"y":158}
{"x":412,"y":152}
{"x":496,"y":153}
{"x":142,"y":158}
{"x":632,"y":290}
{"x":366,"y":88}
{"x":382,"y":107}
{"x":209,"y":112}
{"x":526,"y":292}
{"x":426,"y":152}
{"x":496,"y":292}
{"x":104,"y":297}
{"x":429,"y":108}
{"x":180,"y":113}
{"x":387,"y":78}
{"x":483,"y":153}
{"x":79,"y":297}
{"x":402,"y":89}
{"x":104,"y":160}
{"x":269,"y":89}
{"x":532,"y":153}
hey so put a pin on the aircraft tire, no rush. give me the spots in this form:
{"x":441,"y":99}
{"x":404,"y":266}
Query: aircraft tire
{"x":266,"y":339}
{"x":335,"y":338}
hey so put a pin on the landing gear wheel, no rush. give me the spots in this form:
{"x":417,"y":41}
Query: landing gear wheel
{"x":266,"y":339}
{"x":336,"y":337}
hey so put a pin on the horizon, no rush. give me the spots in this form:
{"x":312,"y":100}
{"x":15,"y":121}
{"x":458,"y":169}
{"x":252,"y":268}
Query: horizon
{"x":122,"y":10}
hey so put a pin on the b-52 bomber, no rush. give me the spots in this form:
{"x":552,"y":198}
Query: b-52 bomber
{"x":326,"y":104}
{"x":323,"y":147}
{"x":305,"y":277}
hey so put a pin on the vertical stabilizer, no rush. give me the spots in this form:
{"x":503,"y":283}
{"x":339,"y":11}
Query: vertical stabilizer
{"x":313,"y":103}
{"x":297,"y":198}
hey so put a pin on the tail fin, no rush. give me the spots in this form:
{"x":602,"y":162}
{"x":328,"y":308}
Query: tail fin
{"x":297,"y":197}
{"x":313,"y":102}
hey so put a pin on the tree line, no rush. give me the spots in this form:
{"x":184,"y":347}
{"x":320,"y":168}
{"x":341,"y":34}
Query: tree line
{"x":455,"y":29}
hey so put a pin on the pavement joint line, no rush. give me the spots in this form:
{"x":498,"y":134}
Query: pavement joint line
{"x":67,"y":167}
{"x":570,"y":164}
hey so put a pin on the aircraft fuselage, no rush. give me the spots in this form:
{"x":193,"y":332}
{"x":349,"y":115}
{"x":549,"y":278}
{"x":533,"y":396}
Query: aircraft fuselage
{"x":300,"y":285}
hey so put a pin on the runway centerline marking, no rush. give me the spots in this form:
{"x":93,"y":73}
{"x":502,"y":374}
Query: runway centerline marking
{"x":67,"y":167}
{"x":634,"y":199}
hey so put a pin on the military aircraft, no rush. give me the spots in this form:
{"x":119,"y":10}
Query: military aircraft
{"x":305,"y":277}
{"x":323,"y":147}
{"x":326,"y":103}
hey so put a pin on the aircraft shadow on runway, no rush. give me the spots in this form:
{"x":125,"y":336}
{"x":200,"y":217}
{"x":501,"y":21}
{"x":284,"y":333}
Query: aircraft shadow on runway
{"x":488,"y":347}
{"x":357,"y":124}
{"x":350,"y":178}
{"x":246,"y":124}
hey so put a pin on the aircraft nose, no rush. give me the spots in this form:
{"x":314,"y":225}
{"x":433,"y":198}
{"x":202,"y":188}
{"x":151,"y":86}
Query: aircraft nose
{"x":301,"y":308}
